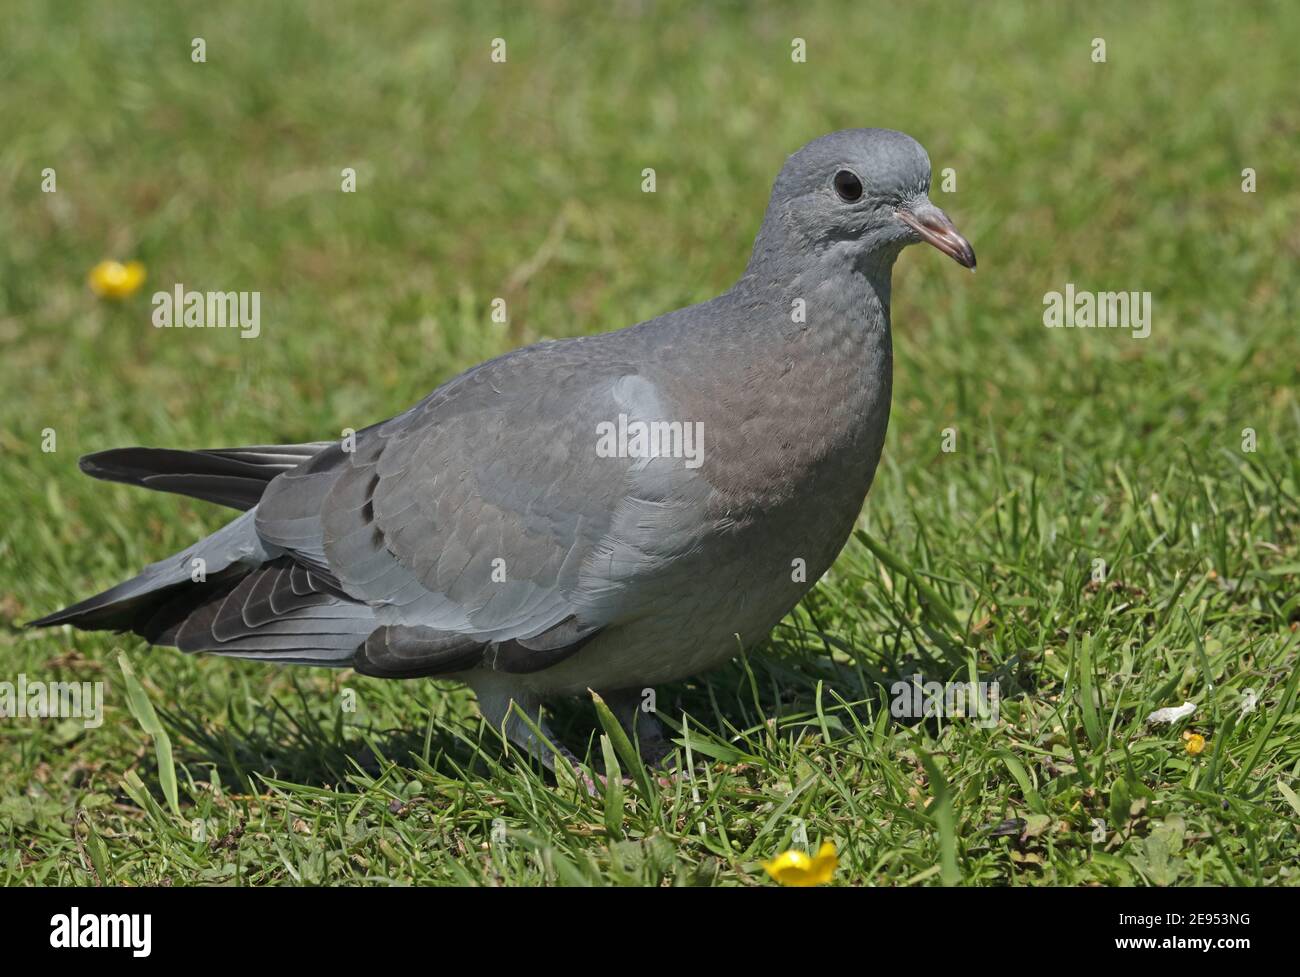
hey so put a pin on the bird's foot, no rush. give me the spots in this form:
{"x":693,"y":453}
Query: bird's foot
{"x":521,"y":718}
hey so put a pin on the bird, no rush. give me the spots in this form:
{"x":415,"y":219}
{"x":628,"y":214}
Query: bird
{"x":602,"y":514}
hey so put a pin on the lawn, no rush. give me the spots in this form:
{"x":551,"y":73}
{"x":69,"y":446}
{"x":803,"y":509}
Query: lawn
{"x":522,"y":180}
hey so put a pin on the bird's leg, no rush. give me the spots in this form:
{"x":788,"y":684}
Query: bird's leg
{"x":502,"y":710}
{"x":649,"y":733}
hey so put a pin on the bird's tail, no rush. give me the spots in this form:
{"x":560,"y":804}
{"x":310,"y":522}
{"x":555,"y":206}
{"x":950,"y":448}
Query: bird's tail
{"x":165,"y":592}
{"x":236,"y":477}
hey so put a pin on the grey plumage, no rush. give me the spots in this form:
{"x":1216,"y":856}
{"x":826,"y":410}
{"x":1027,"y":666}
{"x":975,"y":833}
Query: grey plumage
{"x":481,"y":536}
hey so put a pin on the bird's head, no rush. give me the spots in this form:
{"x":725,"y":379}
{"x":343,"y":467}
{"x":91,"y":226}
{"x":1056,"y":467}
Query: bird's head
{"x":863,"y":194}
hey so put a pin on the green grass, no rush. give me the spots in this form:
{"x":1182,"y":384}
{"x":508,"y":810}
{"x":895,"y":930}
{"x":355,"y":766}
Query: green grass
{"x":522,"y":180}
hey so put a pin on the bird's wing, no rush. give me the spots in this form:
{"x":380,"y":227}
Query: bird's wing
{"x":486,"y":511}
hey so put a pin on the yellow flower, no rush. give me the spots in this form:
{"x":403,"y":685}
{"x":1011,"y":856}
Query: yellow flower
{"x":1195,"y":742}
{"x":114,"y":280}
{"x":801,"y":869}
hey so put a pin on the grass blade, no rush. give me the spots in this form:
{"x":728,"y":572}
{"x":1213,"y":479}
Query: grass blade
{"x":137,"y":700}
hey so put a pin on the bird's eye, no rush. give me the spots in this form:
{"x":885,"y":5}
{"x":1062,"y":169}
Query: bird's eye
{"x":848,"y":186}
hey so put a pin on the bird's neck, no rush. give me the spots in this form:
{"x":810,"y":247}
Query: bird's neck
{"x":810,"y":363}
{"x":846,"y":281}
{"x":836,"y":299}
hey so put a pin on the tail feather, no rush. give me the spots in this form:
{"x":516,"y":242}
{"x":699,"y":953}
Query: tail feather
{"x":234,"y":477}
{"x":226,"y":555}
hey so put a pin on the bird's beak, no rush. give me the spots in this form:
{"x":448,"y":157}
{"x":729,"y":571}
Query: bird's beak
{"x":934,"y":227}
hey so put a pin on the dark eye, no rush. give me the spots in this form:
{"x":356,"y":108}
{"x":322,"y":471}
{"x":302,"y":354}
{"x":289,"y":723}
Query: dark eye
{"x":848,"y":186}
